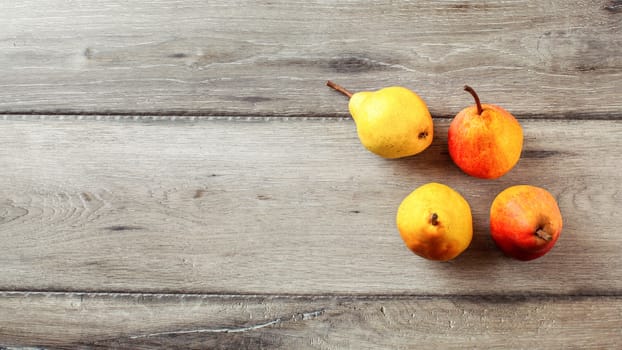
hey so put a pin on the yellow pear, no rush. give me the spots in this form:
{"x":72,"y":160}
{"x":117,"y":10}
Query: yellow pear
{"x":392,"y":122}
{"x":435,"y":222}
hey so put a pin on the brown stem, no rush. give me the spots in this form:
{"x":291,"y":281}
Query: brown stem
{"x":434,"y":219}
{"x":540,"y":233}
{"x":474,"y":94}
{"x":339,"y":88}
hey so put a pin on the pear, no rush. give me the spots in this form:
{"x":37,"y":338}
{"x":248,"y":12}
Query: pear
{"x":484,"y":140}
{"x":392,"y":122}
{"x":435,"y":222}
{"x":525,"y":221}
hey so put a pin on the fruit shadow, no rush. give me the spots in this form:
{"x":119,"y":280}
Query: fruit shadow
{"x":434,"y":161}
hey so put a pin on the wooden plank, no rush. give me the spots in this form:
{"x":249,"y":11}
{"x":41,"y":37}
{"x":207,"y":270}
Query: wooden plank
{"x":555,"y":58}
{"x":285,"y":206}
{"x":233,"y":322}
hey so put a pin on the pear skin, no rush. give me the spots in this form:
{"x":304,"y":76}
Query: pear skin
{"x":392,"y":122}
{"x":357,"y":100}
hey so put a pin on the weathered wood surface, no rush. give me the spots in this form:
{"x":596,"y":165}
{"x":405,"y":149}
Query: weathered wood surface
{"x":556,"y":58}
{"x":282,"y":206}
{"x":267,"y":231}
{"x":147,"y":321}
{"x":220,"y":322}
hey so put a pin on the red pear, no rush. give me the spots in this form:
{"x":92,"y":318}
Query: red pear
{"x":525,"y":221}
{"x":485,"y":140}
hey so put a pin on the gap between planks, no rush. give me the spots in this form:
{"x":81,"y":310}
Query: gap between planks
{"x":165,"y":116}
{"x":176,"y":115}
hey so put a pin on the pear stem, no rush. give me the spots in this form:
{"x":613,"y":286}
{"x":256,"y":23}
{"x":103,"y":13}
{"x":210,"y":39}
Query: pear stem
{"x":434,"y":219}
{"x":339,"y":88}
{"x":474,"y":94}
{"x":540,"y":233}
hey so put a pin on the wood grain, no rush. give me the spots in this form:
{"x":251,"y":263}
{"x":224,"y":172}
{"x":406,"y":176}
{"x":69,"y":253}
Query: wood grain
{"x":69,"y":321}
{"x":553,"y":59}
{"x":282,"y":206}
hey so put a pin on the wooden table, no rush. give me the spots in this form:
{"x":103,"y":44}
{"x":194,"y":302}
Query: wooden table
{"x":176,"y":174}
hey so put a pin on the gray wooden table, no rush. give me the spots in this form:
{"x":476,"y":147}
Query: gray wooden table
{"x":176,"y":174}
